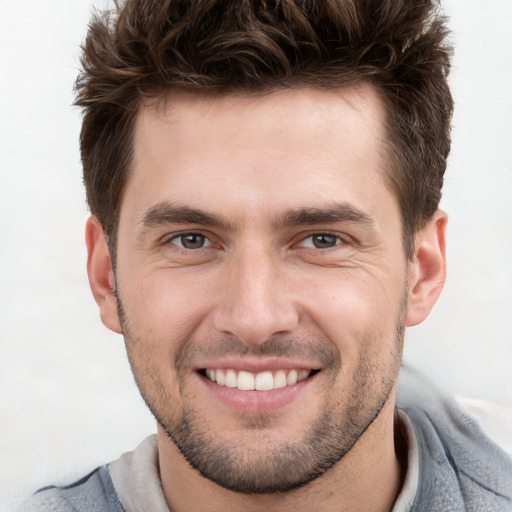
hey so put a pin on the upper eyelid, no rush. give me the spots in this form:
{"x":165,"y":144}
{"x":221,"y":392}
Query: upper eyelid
{"x":341,"y":240}
{"x":171,"y":236}
{"x":297,"y":238}
{"x":305,"y":235}
{"x":168,"y":240}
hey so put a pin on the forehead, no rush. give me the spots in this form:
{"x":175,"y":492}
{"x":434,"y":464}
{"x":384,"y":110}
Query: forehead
{"x":261,"y":151}
{"x":313,"y":114}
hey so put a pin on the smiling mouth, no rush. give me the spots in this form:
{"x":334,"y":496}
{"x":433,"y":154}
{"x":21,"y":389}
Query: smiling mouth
{"x":262,"y":381}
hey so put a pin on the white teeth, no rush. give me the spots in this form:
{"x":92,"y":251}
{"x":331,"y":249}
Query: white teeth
{"x":280,"y":379}
{"x":219,"y":377}
{"x":263,"y":381}
{"x":231,"y":380}
{"x":245,"y":381}
{"x":291,"y":379}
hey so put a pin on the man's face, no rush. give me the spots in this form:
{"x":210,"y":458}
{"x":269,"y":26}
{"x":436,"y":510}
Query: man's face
{"x":259,"y":246}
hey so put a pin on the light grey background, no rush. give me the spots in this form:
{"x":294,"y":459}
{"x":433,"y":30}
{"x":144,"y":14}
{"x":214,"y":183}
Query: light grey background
{"x":67,"y":398}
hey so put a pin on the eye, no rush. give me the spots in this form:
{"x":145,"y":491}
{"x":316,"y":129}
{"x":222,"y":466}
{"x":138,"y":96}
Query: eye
{"x":190,"y":241}
{"x":321,"y":241}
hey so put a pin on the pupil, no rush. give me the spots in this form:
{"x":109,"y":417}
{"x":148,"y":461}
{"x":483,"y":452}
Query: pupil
{"x":192,"y":241}
{"x":324,"y":241}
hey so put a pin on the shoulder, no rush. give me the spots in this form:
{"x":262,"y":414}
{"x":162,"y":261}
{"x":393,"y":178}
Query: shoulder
{"x":460,"y":467}
{"x":92,"y":493}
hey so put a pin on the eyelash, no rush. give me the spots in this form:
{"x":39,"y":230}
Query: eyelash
{"x":172,"y":240}
{"x":339,"y":241}
{"x":207,"y":242}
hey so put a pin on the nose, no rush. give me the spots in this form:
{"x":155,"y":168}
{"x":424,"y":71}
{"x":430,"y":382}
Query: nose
{"x":255,"y":302}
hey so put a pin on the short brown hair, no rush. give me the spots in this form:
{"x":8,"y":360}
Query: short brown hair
{"x":148,"y":48}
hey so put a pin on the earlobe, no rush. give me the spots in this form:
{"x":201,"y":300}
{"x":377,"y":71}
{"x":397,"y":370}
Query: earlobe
{"x":427,"y":271}
{"x":101,"y":274}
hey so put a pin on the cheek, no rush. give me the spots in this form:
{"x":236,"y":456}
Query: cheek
{"x":353,"y":306}
{"x":165,"y":306}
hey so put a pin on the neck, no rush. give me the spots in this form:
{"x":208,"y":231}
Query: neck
{"x":368,"y":478}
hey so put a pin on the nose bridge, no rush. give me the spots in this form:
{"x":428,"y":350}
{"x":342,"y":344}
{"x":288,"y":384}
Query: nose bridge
{"x":256,"y":303}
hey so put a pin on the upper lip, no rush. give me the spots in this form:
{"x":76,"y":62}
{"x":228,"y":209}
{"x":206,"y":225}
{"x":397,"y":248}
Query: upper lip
{"x":256,"y":365}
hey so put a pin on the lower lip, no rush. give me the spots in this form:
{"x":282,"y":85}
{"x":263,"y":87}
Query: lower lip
{"x":256,"y":401}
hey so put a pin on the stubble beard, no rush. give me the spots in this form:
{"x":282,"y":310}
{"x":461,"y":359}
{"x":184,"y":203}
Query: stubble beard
{"x":244,"y":466}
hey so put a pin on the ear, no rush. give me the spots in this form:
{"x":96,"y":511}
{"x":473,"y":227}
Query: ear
{"x":427,"y":271}
{"x":101,"y":274}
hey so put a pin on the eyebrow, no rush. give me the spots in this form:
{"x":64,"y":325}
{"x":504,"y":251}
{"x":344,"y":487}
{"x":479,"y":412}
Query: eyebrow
{"x":167,"y":213}
{"x":339,"y":212}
